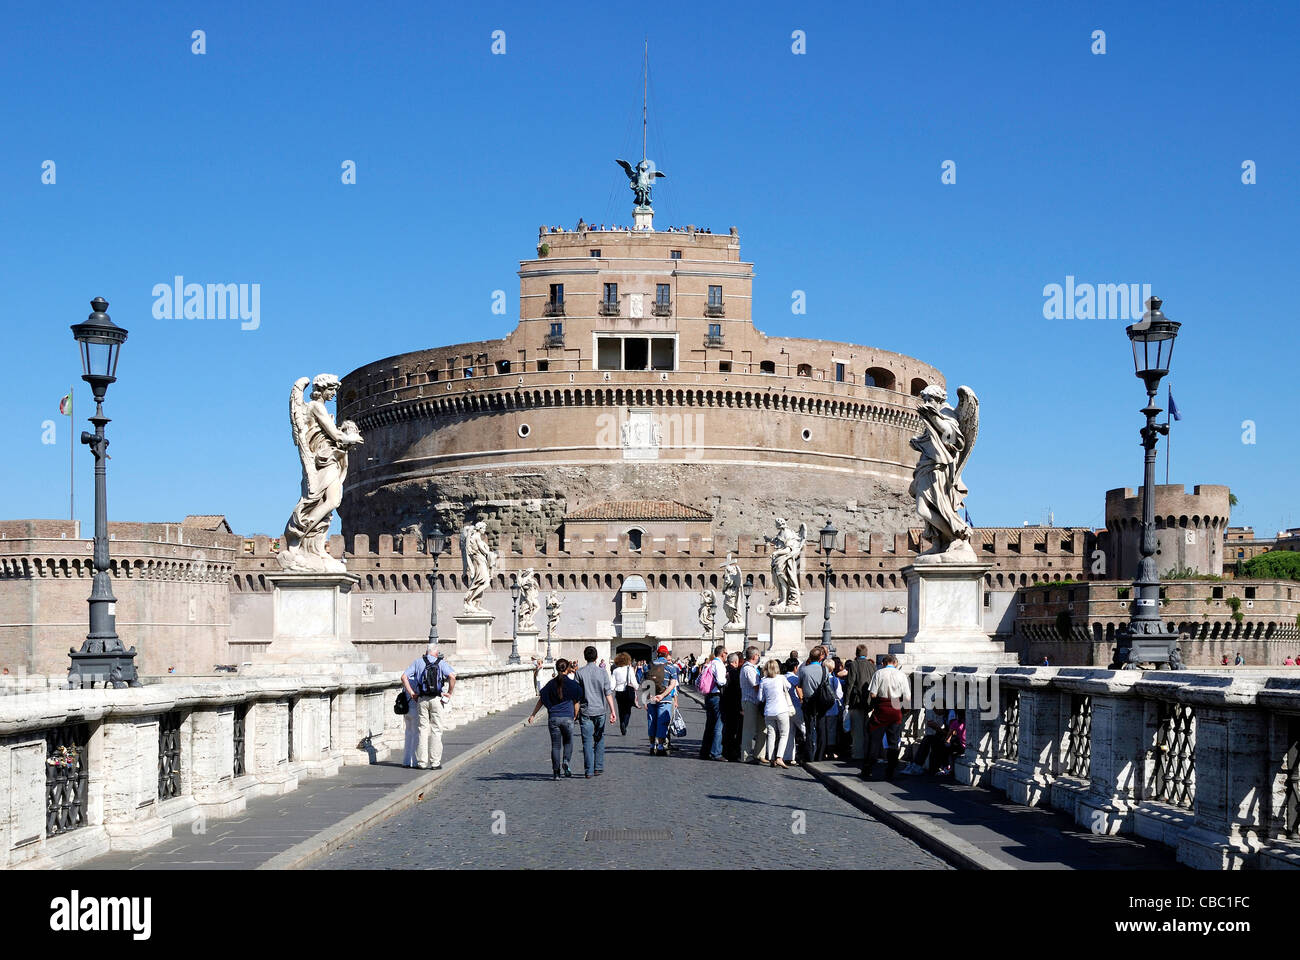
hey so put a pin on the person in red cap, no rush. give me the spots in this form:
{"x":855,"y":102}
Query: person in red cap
{"x":659,"y":707}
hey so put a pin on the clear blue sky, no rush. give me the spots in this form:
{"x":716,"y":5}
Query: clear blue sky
{"x":225,"y":167}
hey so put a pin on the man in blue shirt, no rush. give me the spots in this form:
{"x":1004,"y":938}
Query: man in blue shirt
{"x":562,"y":697}
{"x":427,"y":701}
{"x":659,"y":708}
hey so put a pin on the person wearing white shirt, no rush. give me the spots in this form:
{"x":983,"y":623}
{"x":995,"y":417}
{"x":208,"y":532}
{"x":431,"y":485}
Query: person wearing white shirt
{"x":623,"y":680}
{"x":713,"y":674}
{"x":778,"y":707}
{"x":753,"y":734}
{"x":889,"y":694}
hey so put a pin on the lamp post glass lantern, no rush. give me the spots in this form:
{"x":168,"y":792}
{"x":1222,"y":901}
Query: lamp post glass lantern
{"x":514,"y":620}
{"x":1146,"y":638}
{"x":749,"y":590}
{"x":827,"y":536}
{"x":437,"y":540}
{"x":102,"y":658}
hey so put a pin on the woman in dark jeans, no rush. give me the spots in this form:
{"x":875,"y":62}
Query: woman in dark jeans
{"x":624,"y":689}
{"x":562,"y":698}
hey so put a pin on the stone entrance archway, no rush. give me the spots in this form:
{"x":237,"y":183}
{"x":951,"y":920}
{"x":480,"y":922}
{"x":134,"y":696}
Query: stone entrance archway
{"x":635,"y":650}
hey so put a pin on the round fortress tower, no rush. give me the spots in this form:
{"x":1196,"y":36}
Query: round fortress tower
{"x":635,"y":374}
{"x":1189,"y":529}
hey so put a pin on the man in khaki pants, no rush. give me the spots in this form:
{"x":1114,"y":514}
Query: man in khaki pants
{"x":753,"y":734}
{"x":429,"y":682}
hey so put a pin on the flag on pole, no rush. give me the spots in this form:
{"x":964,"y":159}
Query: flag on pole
{"x":65,"y":405}
{"x":1173,"y":407}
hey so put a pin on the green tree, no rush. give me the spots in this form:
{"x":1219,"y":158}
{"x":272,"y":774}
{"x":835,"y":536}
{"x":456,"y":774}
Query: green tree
{"x":1274,"y":565}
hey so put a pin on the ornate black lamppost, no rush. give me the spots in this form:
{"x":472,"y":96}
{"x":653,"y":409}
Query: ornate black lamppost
{"x":514,"y":620}
{"x":827,"y":535}
{"x":1146,"y":638}
{"x":548,"y":637}
{"x":102,"y":657}
{"x":437,"y":540}
{"x":749,"y":590}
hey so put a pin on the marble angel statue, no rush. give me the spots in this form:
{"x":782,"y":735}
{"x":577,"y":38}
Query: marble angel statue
{"x":478,"y":561}
{"x":944,"y":444}
{"x":554,"y":603}
{"x":323,"y":451}
{"x":731,"y":592}
{"x":528,"y":602}
{"x":787,"y":564}
{"x":707,"y":603}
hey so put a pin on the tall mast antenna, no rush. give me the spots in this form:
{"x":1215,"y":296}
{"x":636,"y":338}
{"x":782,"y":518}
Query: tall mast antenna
{"x":645,"y":90}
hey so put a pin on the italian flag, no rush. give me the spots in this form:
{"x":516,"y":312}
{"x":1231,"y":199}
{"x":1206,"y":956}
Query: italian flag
{"x":65,"y":405}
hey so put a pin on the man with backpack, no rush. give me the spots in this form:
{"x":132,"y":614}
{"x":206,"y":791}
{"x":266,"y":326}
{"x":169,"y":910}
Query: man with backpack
{"x":818,"y":696}
{"x":860,"y":671}
{"x":659,"y":709}
{"x":429,"y":682}
{"x":712,"y":678}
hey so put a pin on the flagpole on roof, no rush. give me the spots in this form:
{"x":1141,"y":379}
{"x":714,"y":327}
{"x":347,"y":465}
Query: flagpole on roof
{"x":1169,"y":432}
{"x":72,"y":484}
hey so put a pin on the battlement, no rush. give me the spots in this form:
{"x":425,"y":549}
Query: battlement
{"x":1207,"y":505}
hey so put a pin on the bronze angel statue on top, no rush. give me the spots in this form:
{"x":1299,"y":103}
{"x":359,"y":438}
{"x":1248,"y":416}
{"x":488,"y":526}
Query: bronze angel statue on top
{"x":945,"y":442}
{"x":642,"y":179}
{"x":323,"y":450}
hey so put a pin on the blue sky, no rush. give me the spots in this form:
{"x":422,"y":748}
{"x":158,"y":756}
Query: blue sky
{"x":225,"y":167}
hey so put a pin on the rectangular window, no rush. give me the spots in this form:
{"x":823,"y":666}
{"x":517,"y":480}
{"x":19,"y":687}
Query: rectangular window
{"x":662,"y":353}
{"x":469,"y":372}
{"x":543,"y":366}
{"x":676,"y":254}
{"x":557,"y":293}
{"x":715,"y":330}
{"x":724,"y":366}
{"x":715,"y":295}
{"x":636,"y":353}
{"x":611,"y":293}
{"x":595,"y":253}
{"x":609,"y":353}
{"x":662,"y":294}
{"x":557,"y":329}
{"x":839,"y":373}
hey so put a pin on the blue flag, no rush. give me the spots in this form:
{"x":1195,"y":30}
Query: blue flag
{"x":1173,"y":407}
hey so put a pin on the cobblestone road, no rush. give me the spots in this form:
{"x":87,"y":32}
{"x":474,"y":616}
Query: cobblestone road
{"x":719,"y":815}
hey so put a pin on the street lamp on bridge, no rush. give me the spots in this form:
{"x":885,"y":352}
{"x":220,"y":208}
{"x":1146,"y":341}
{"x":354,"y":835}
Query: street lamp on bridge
{"x":827,"y":536}
{"x":437,"y":540}
{"x":1146,"y":638}
{"x":102,"y":657}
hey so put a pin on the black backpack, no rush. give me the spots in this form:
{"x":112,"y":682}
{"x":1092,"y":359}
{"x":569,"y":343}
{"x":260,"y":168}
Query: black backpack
{"x":431,"y":683}
{"x":823,"y":698}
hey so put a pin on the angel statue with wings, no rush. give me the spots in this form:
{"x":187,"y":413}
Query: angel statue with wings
{"x":323,"y":449}
{"x":707,"y":602}
{"x":528,"y":602}
{"x":554,"y":604}
{"x":787,"y":564}
{"x":944,"y":443}
{"x":731,"y":591}
{"x":642,"y":179}
{"x":478,"y":561}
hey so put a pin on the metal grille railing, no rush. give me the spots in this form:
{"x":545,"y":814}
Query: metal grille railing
{"x":1175,"y":755}
{"x":1078,"y":753}
{"x":67,"y":770}
{"x":1291,"y":796}
{"x":169,"y":755}
{"x":241,"y":715}
{"x":1009,"y":726}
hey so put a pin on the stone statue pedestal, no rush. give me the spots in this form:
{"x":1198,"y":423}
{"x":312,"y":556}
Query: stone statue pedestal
{"x":733,"y":638}
{"x":787,"y":632}
{"x":945,"y":607}
{"x":311,"y":627}
{"x":527,"y":642}
{"x":474,"y":637}
{"x":643,"y":218}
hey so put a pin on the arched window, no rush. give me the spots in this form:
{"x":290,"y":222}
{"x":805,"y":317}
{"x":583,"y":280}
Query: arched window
{"x":918,"y":384}
{"x":634,"y":538}
{"x":767,"y":366}
{"x":805,"y":370}
{"x":880,"y":377}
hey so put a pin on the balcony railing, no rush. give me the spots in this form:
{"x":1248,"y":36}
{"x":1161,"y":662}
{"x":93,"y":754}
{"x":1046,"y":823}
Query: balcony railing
{"x":553,"y":340}
{"x":609,"y":308}
{"x":715,"y":310}
{"x":662,"y":309}
{"x":713,"y":340}
{"x":553,"y":308}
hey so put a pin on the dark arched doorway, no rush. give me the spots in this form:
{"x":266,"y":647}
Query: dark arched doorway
{"x":637,"y":651}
